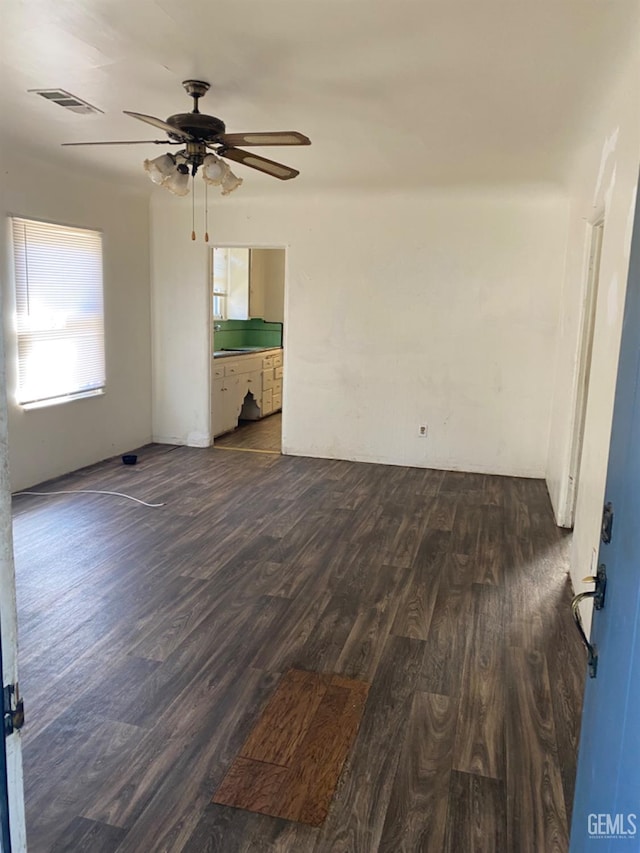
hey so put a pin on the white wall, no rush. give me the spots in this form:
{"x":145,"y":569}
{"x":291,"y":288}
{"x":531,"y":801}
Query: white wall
{"x":50,"y":441}
{"x":181,"y":331}
{"x":400,"y":310}
{"x":604,"y":180}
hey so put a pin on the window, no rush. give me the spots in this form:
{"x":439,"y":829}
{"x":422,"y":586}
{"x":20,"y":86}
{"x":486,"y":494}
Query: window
{"x":231,"y":276}
{"x":60,"y":317}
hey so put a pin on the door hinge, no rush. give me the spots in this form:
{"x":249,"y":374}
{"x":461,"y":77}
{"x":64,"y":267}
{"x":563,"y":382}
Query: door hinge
{"x":12,"y":709}
{"x":607,"y":523}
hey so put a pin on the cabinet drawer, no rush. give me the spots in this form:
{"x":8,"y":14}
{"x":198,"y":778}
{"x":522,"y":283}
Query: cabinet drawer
{"x":267,"y":379}
{"x":267,"y":402}
{"x":218,"y":371}
{"x":249,"y":364}
{"x":267,"y":362}
{"x":277,"y":360}
{"x":277,"y":402}
{"x":238,"y":366}
{"x":279,"y":372}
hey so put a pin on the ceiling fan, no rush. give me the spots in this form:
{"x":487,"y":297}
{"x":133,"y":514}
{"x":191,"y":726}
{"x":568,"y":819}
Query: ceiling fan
{"x":201,"y":134}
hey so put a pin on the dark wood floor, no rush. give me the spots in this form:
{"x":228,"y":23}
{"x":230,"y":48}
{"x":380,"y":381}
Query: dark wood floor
{"x":264,"y":435}
{"x":151,"y":640}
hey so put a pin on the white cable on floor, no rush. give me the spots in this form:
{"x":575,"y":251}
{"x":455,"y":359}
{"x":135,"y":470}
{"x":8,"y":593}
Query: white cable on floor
{"x":89,"y":492}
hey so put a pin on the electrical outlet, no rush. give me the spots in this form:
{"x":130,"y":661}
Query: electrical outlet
{"x":423,"y":430}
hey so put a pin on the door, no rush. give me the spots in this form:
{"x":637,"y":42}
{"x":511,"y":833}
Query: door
{"x":606,"y":813}
{"x":217,"y":405}
{"x":5,"y":839}
{"x":226,"y":403}
{"x":11,"y":790}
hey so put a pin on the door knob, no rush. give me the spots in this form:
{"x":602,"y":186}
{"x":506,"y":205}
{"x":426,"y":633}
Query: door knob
{"x":592,"y":654}
{"x":598,"y":595}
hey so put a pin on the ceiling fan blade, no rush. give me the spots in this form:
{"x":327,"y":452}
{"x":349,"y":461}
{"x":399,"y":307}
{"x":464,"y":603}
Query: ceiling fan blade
{"x":128,"y":142}
{"x":270,"y":167}
{"x":282,"y":137}
{"x":163,"y":125}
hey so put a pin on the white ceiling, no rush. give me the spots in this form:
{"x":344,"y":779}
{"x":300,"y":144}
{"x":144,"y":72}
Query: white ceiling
{"x":393,"y":93}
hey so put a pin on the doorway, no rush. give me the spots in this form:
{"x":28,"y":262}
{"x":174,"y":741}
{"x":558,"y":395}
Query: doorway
{"x":584,"y":364}
{"x":247,"y":292}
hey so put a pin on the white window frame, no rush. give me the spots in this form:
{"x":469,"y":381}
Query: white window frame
{"x":59,"y":312}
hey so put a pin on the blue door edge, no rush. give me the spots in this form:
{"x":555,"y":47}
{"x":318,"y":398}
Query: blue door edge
{"x":5,"y":836}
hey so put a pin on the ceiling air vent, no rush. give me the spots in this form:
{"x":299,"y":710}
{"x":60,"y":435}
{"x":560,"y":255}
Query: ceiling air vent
{"x":66,"y":100}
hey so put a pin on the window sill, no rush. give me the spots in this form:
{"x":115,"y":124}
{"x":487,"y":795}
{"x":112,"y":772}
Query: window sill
{"x":58,"y":401}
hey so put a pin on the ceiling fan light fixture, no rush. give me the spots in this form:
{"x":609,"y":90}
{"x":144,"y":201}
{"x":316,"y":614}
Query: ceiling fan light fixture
{"x":229,"y":182}
{"x":213,"y":170}
{"x":161,"y":168}
{"x":178,"y":182}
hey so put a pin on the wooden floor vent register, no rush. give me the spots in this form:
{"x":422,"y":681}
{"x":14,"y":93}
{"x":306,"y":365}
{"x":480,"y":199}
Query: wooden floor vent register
{"x":290,"y":764}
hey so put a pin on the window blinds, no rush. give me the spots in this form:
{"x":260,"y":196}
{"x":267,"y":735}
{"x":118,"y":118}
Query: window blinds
{"x":60,"y":315}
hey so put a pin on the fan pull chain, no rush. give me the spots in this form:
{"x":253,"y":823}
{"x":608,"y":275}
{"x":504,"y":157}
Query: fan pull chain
{"x":206,"y":215}
{"x":193,"y":208}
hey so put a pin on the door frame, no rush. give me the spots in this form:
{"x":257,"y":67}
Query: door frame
{"x":591,"y":278}
{"x":12,"y":745}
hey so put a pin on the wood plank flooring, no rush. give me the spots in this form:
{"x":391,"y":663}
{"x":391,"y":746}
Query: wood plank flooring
{"x":153,"y":639}
{"x":264,"y":435}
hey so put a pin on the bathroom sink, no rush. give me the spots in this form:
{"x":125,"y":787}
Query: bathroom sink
{"x":224,"y":353}
{"x":244,"y":349}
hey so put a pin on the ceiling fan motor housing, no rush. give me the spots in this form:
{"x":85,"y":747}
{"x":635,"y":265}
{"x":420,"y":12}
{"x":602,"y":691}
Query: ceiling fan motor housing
{"x":199,"y":125}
